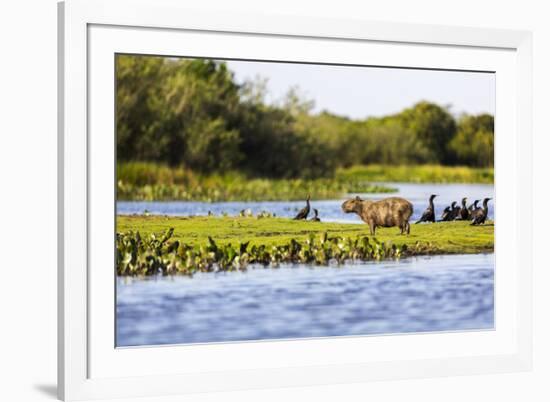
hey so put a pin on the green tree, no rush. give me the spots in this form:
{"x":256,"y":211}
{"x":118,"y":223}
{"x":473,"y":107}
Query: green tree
{"x":192,"y":113}
{"x":162,"y":104}
{"x":211,"y":147}
{"x":388,"y":141}
{"x":473,"y":144}
{"x":137,"y":83}
{"x":434,"y":127}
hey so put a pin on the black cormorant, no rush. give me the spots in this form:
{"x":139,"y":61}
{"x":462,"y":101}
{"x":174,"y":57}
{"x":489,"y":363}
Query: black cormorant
{"x":455,"y":211}
{"x":447,"y":214}
{"x":304,"y":212}
{"x":464,"y":213}
{"x":472,"y":208}
{"x":316,"y":217}
{"x":429,"y":213}
{"x":480,"y":214}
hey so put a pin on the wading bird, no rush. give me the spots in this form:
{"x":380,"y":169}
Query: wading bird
{"x":472,"y":208}
{"x":480,"y":214}
{"x":448,"y":213}
{"x":429,"y":213}
{"x":445,"y":216}
{"x":304,"y":212}
{"x":456,"y":212}
{"x":316,"y":217}
{"x":464,"y":212}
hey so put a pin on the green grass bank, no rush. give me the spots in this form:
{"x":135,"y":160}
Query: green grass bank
{"x":418,"y":174}
{"x":149,"y":245}
{"x":444,"y":237}
{"x":144,"y":181}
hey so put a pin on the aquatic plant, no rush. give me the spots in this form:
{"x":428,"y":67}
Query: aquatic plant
{"x":158,"y":254}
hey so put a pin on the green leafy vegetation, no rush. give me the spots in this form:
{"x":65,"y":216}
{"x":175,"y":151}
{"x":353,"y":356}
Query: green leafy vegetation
{"x":192,"y":113}
{"x":148,"y":245}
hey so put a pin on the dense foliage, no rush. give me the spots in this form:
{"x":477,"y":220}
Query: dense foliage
{"x":473,"y":143}
{"x":193,"y":113}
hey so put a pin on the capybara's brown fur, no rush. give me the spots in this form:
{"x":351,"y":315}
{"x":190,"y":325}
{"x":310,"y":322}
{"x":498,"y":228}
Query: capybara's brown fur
{"x":389,"y":212}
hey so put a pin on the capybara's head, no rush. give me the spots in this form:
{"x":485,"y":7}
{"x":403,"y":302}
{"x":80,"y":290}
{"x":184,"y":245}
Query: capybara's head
{"x":352,"y":205}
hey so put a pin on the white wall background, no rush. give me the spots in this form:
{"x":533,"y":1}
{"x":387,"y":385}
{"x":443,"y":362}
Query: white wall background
{"x":28,"y":200}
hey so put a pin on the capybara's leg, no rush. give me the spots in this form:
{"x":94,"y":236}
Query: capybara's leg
{"x":372,"y":228}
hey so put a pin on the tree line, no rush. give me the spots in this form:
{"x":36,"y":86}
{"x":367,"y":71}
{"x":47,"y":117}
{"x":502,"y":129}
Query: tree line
{"x":193,"y":113}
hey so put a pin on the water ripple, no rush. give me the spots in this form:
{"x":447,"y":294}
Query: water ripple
{"x":438,"y":293}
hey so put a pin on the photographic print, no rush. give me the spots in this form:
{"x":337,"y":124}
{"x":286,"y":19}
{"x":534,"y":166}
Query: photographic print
{"x":273,"y":200}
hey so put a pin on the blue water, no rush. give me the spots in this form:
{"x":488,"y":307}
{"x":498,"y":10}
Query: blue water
{"x":329,"y":210}
{"x":438,"y":293}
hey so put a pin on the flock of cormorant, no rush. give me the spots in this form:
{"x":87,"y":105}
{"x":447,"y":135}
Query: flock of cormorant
{"x":474,"y":213}
{"x":478,"y":215}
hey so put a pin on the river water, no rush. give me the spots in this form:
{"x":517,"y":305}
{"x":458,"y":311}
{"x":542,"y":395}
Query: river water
{"x":329,"y":210}
{"x":421,"y":294}
{"x":441,"y":293}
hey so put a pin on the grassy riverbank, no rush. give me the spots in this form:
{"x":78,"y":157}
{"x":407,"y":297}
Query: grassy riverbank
{"x":143,"y":181}
{"x":446,"y":237}
{"x":187,"y":244}
{"x":418,"y":174}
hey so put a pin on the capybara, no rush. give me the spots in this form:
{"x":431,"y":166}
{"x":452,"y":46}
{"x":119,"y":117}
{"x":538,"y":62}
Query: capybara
{"x":389,"y":212}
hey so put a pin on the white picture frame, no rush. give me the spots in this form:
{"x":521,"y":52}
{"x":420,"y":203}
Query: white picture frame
{"x":91,"y":32}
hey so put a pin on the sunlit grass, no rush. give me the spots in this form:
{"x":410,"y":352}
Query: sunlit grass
{"x":143,"y":181}
{"x":418,"y":174}
{"x":441,"y":238}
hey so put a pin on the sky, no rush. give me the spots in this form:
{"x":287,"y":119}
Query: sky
{"x":361,"y":92}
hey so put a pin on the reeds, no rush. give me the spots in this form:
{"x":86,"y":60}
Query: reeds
{"x":418,"y":174}
{"x":144,"y":181}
